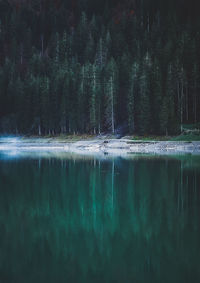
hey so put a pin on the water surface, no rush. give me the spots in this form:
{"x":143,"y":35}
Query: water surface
{"x":86,"y":219}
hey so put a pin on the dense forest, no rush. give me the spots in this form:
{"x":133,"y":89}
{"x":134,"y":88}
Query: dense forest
{"x":94,"y":66}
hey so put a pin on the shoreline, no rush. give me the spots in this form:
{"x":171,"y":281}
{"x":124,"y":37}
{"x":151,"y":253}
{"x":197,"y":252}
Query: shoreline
{"x":100,"y":146}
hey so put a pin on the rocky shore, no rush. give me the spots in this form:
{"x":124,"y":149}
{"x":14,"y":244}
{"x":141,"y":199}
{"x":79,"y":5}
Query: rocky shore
{"x":129,"y":146}
{"x":100,"y":146}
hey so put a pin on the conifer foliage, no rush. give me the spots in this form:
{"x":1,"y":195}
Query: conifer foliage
{"x":94,"y":66}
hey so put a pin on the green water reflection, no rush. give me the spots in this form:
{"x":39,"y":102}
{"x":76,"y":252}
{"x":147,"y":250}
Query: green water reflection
{"x":93,"y":220}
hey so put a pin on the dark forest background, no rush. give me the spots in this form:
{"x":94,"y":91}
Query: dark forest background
{"x":93,"y":66}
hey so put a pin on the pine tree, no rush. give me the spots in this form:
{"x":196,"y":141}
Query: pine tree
{"x":94,"y":28}
{"x":195,"y":88}
{"x":38,"y":104}
{"x":45,"y":104}
{"x":26,"y":119}
{"x":144,"y":122}
{"x":19,"y":104}
{"x":55,"y":47}
{"x":157,"y":97}
{"x":93,"y":100}
{"x":101,"y":53}
{"x":63,"y":47}
{"x":124,"y":73}
{"x":99,"y":103}
{"x":74,"y":84}
{"x":48,"y":54}
{"x":172,"y":127}
{"x":132,"y":92}
{"x":82,"y":36}
{"x":81,"y":98}
{"x":111,"y":94}
{"x":90,"y":50}
{"x":164,"y":116}
{"x":181,"y":95}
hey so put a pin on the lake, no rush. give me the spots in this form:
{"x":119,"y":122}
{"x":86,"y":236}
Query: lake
{"x":70,"y":218}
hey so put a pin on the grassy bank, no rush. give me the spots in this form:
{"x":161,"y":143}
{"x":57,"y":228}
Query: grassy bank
{"x":190,"y":133}
{"x":76,"y":138}
{"x":183,"y":137}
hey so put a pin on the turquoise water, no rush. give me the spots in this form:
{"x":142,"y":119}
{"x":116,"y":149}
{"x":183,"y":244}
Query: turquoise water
{"x":87,"y":219}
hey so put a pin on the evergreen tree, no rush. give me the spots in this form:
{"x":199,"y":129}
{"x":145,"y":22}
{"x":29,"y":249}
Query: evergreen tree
{"x":63,"y":47}
{"x":101,"y":54}
{"x":94,"y":116}
{"x":164,"y":116}
{"x":77,"y":69}
{"x":82,"y":36}
{"x":132,"y":93}
{"x":45,"y":104}
{"x":195,"y":89}
{"x":111,"y":94}
{"x":157,"y":97}
{"x":173,"y":126}
{"x":144,"y":124}
{"x":82,"y":79}
{"x":90,"y":49}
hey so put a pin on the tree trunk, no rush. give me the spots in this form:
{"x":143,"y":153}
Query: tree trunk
{"x":195,"y":102}
{"x":39,"y":130}
{"x":112,"y":106}
{"x":187,"y":107}
{"x":99,"y":129}
{"x":42,"y":43}
{"x":182,"y":94}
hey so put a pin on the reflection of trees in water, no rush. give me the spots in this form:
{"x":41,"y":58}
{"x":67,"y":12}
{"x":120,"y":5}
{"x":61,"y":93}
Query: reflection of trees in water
{"x":114,"y":220}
